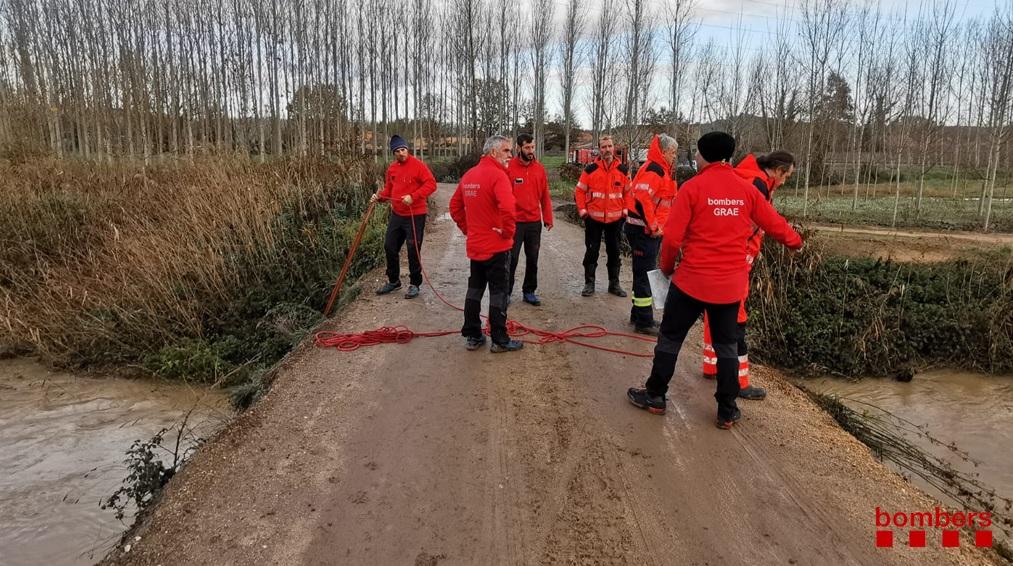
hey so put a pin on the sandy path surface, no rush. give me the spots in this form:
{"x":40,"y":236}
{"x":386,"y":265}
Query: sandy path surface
{"x":429,"y":454}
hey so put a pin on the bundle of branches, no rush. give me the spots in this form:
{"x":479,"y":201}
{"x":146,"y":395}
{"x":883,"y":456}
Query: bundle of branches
{"x":868,"y":317}
{"x":887,"y":435}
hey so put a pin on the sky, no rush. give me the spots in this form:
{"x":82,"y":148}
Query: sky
{"x":725,"y":22}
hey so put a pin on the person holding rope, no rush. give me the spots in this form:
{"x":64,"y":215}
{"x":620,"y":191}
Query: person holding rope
{"x":711,"y":220}
{"x":766,"y":173}
{"x":407,"y":185}
{"x":483,"y":207}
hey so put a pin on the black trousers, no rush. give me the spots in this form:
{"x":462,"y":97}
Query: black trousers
{"x":681,"y":312}
{"x":528,"y":236}
{"x":593,"y":233}
{"x":492,"y":273}
{"x":645,"y":258}
{"x":399,"y":231}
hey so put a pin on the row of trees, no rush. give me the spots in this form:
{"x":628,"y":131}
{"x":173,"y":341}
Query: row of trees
{"x":850,"y":88}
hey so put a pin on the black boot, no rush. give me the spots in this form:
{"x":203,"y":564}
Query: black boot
{"x":588,"y":286}
{"x":753,"y":393}
{"x":615,"y":289}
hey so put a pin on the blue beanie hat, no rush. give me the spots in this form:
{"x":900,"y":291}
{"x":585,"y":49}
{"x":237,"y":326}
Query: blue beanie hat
{"x":397,"y":142}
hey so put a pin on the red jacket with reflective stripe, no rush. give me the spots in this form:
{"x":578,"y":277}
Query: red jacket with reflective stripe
{"x":711,"y":220}
{"x":652,"y":191}
{"x":484,"y":209}
{"x":413,"y":178}
{"x":531,"y":190}
{"x":601,"y":191}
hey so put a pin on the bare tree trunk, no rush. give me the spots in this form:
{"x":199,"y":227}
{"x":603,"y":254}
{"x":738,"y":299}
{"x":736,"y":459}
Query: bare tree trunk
{"x":572,"y":29}
{"x":604,"y":36}
{"x":541,"y":35}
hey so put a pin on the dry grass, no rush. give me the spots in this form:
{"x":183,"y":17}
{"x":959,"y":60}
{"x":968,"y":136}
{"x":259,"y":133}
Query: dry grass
{"x":109,"y":263}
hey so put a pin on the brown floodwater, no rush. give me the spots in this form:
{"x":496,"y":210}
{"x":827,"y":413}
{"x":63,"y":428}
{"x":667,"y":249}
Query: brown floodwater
{"x":63,"y":440}
{"x":972,"y":411}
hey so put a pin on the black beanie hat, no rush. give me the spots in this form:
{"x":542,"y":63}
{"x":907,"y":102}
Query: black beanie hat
{"x":397,"y":142}
{"x":716,"y":146}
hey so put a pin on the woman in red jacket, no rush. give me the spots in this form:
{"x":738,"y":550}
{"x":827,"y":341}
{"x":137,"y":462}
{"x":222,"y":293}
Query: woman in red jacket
{"x":711,"y":221}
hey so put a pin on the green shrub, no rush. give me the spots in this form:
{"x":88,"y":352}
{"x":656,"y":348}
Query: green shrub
{"x":870,"y":317}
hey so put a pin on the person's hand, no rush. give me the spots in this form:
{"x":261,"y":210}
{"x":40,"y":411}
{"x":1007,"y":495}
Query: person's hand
{"x":548,"y":226}
{"x":407,"y":200}
{"x":583,"y":214}
{"x":374,"y":198}
{"x":657,"y":232}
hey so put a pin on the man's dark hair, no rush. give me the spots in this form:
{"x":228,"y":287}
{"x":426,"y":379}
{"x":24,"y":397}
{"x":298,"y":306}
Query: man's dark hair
{"x":775,"y":160}
{"x":524,"y":138}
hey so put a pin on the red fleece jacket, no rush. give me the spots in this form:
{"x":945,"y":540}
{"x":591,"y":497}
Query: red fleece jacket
{"x":484,"y":209}
{"x":413,"y":178}
{"x":711,"y":220}
{"x":531,"y":190}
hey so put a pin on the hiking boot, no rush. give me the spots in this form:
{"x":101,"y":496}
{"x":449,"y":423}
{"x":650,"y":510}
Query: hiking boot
{"x":752,"y":393}
{"x":532,"y":299}
{"x":388,"y":287}
{"x":588,"y":289}
{"x":413,"y":291}
{"x":654,"y":404}
{"x":616,"y":290}
{"x":511,"y":346}
{"x":472,"y":344}
{"x":650,"y":330}
{"x":726,"y":424}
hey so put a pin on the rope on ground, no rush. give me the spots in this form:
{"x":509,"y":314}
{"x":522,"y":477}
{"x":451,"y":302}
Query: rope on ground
{"x":349,"y":342}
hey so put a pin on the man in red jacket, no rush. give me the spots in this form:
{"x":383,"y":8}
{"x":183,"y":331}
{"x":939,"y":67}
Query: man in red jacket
{"x":484,"y":209}
{"x":710,"y":222}
{"x":407,"y":185}
{"x":534,"y":207}
{"x":600,"y":196}
{"x":766,"y":172}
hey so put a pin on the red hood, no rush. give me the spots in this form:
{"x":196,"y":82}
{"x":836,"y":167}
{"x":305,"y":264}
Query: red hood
{"x":750,"y":170}
{"x":654,"y":154}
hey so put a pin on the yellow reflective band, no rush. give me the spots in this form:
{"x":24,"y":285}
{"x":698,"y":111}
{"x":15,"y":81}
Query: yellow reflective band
{"x":642,"y":301}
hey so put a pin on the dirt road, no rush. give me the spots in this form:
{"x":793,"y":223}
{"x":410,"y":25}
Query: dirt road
{"x":429,"y":454}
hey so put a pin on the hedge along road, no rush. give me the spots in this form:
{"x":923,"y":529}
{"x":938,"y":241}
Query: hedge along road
{"x":429,"y":454}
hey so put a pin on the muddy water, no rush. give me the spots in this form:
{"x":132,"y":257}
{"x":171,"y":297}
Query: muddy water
{"x":975,"y":412}
{"x":62,"y":444}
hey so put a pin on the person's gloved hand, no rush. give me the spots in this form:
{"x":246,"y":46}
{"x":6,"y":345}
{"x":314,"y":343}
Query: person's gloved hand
{"x":548,"y":226}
